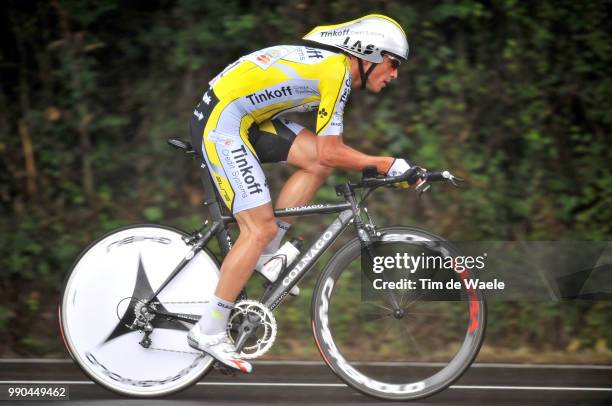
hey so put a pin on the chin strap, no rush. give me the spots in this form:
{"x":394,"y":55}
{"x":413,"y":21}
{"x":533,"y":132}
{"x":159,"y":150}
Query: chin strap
{"x":364,"y":75}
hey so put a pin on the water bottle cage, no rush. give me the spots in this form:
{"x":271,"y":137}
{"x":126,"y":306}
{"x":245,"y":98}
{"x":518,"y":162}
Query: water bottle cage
{"x":283,"y":259}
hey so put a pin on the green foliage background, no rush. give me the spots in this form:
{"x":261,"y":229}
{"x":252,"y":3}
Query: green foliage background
{"x":514,"y":96}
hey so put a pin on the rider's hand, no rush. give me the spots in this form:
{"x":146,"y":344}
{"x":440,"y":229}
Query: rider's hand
{"x":398,"y":167}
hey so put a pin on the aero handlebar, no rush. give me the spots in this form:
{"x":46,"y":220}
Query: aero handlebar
{"x":415,"y":176}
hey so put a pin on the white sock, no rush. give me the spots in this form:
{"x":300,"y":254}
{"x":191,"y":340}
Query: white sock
{"x":215,"y":317}
{"x":273,"y":246}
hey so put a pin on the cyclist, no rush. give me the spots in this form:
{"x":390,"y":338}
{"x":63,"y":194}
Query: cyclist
{"x":237,"y":126}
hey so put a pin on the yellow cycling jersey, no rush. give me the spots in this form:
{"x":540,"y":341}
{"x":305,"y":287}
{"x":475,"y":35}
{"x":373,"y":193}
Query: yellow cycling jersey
{"x":273,"y":81}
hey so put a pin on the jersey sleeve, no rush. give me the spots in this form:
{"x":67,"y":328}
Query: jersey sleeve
{"x":334,"y":89}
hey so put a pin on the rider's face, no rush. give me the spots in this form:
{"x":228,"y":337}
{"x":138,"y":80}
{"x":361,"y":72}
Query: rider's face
{"x":383,"y":74}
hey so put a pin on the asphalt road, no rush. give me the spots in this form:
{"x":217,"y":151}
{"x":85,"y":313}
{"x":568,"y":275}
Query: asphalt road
{"x":312,"y":383}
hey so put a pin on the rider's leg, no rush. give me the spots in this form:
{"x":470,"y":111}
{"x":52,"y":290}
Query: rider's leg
{"x":301,"y":186}
{"x":221,"y":141}
{"x":305,"y":182}
{"x":257,"y":228}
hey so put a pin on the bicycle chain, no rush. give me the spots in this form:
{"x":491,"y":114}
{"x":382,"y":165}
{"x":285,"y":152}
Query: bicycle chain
{"x":177,"y":351}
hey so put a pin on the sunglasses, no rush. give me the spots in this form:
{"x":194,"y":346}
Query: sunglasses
{"x":395,"y":62}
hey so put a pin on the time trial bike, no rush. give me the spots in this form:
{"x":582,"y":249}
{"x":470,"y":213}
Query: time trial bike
{"x":131,"y":297}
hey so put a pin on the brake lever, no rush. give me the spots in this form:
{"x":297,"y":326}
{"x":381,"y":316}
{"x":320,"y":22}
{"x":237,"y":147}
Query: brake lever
{"x":425,"y":183}
{"x":422,"y":187}
{"x":454,"y":180}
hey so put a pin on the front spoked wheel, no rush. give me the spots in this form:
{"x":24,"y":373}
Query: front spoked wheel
{"x":119,"y":342}
{"x":389,"y":357}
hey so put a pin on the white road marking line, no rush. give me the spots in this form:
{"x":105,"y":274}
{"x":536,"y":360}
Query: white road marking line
{"x":334,"y":385}
{"x":47,"y":383}
{"x":294,"y":384}
{"x":541,"y":366}
{"x":553,"y":388}
{"x":35,"y":361}
{"x":382,"y":364}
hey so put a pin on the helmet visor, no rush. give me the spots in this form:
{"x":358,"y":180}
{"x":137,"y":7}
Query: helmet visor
{"x":393,"y":60}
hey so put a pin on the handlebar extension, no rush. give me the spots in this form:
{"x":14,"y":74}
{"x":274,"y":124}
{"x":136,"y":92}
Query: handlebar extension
{"x":370,"y":177}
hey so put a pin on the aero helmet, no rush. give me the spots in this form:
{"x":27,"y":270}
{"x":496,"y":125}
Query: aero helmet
{"x":367,"y":38}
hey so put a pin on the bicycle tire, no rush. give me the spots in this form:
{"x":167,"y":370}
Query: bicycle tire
{"x":121,"y":373}
{"x":352,"y":371}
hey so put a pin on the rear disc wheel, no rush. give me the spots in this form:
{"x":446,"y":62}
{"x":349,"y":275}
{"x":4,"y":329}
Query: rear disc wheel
{"x":102,"y":318}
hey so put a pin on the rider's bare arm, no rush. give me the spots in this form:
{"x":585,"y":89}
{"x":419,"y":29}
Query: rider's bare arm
{"x":334,"y":153}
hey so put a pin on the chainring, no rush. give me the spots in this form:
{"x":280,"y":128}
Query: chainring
{"x":266,"y":332}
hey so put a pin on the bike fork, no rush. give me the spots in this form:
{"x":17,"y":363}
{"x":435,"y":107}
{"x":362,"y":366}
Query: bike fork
{"x":367,"y":236}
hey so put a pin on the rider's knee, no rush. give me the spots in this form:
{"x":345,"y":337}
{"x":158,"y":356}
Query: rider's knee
{"x":264,"y":233}
{"x":320,"y":171}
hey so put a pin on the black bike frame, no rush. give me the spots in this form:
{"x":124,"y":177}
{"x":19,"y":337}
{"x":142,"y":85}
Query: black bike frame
{"x":277,"y":291}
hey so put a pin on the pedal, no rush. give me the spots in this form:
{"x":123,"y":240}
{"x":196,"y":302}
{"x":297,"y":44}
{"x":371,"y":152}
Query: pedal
{"x":223,"y":369}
